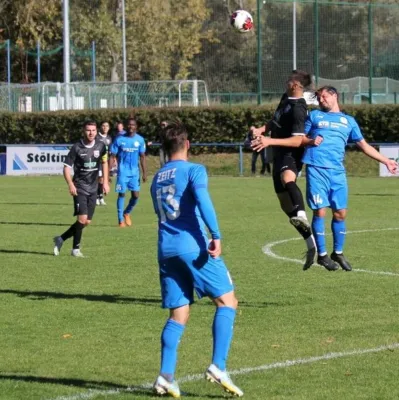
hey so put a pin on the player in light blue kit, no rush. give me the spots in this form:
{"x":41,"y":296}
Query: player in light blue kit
{"x":128,"y":150}
{"x":189,"y":261}
{"x":326,"y":184}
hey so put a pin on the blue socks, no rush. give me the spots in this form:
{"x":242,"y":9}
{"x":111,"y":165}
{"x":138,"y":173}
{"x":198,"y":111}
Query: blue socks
{"x":222,"y":331}
{"x":319,"y":234}
{"x":170,"y":340}
{"x":130,"y":206}
{"x":120,"y":204}
{"x":339,"y":232}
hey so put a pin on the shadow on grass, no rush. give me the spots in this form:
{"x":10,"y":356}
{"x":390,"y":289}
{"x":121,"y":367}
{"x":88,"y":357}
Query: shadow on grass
{"x":36,"y":204}
{"x":375,"y":194}
{"x":101,"y":386}
{"x":106,"y":298}
{"x":34,"y":223}
{"x":118,"y":299}
{"x":9,"y":251}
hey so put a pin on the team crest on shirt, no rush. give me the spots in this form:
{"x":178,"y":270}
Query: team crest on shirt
{"x":136,"y":144}
{"x":344,"y":121}
{"x":96,"y":153}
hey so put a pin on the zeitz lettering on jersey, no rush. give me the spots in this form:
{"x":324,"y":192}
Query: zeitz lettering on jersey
{"x":168,"y":174}
{"x":45,"y":158}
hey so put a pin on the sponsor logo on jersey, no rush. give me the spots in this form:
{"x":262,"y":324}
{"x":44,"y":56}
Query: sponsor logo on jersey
{"x":323,"y":124}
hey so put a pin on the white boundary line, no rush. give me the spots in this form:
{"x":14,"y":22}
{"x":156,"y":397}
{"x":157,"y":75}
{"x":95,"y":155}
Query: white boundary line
{"x":90,"y":394}
{"x":267,"y":249}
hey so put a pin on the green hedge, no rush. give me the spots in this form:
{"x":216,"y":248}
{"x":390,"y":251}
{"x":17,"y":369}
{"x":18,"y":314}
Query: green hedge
{"x":228,"y":124}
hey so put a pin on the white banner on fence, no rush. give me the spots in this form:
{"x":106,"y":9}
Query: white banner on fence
{"x":390,"y":152}
{"x":30,"y":159}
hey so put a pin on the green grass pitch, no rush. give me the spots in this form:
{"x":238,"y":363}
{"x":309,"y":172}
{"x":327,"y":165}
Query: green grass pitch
{"x":76,"y":329}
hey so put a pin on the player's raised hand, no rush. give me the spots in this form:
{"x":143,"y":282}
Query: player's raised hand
{"x":215,"y":248}
{"x":392,"y":166}
{"x":260,"y":142}
{"x":256,"y":131}
{"x":72,"y":189}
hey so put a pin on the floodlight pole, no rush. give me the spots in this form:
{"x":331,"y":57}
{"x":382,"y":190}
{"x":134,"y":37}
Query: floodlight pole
{"x":67,"y":67}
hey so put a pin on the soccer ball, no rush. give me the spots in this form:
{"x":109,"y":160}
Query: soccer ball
{"x":242,"y":21}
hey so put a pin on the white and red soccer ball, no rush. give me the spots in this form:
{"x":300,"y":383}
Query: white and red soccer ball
{"x":242,"y":21}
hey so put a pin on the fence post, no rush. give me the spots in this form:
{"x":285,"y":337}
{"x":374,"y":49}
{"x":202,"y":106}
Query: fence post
{"x":9,"y":73}
{"x":241,"y":161}
{"x":370,"y":28}
{"x":259,"y":50}
{"x":316,"y":41}
{"x":93,"y":61}
{"x":38,"y":63}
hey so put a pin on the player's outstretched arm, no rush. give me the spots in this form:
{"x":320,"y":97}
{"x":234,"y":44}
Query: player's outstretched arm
{"x":261,"y":142}
{"x":370,"y":151}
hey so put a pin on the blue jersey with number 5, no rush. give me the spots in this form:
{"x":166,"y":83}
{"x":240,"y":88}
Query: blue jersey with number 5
{"x":181,"y":200}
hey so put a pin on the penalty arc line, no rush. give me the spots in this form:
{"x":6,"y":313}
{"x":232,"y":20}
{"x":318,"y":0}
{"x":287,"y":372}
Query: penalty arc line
{"x":91,"y":394}
{"x":267,"y":249}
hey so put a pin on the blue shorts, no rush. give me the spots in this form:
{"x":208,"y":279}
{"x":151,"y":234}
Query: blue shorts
{"x":181,"y":275}
{"x":125,"y":183}
{"x":326,"y":187}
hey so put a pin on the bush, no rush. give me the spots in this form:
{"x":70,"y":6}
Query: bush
{"x":206,"y":125}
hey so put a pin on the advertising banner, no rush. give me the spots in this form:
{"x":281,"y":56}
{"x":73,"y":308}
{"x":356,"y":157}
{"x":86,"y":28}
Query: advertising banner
{"x":390,"y":152}
{"x":36,"y":159}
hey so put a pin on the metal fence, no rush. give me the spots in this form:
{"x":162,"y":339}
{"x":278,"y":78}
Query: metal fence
{"x":50,"y":96}
{"x":351,"y":45}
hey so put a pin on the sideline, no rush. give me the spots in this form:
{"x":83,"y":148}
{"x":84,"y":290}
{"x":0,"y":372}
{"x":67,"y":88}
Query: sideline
{"x":91,"y":394}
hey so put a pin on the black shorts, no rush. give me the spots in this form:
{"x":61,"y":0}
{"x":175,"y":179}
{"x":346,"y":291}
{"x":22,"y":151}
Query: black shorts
{"x":85,"y":204}
{"x":284,"y":163}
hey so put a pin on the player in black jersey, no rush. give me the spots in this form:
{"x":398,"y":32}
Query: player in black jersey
{"x":289,"y":123}
{"x":85,"y":157}
{"x":103,"y":136}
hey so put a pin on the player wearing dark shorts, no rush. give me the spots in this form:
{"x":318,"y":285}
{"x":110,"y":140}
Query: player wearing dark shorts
{"x":103,"y":136}
{"x":289,"y":123}
{"x":85,"y":157}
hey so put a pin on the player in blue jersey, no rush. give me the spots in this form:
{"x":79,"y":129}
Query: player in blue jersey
{"x":325,"y":173}
{"x":129,"y":151}
{"x":330,"y":130}
{"x":189,"y":261}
